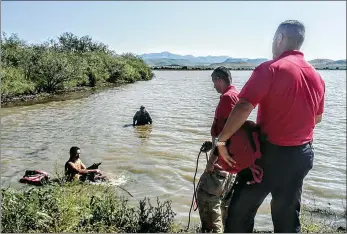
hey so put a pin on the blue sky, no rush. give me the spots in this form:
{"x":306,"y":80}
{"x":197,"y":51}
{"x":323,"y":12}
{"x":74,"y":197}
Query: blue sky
{"x":236,"y":29}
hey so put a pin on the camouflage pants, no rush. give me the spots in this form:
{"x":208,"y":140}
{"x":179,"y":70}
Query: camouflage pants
{"x":213,"y":208}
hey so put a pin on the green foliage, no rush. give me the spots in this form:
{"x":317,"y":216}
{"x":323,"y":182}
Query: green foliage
{"x":80,"y":207}
{"x":139,"y":65}
{"x":54,"y":70}
{"x":13,"y":81}
{"x":77,"y":207}
{"x":69,"y":42}
{"x":64,"y":63}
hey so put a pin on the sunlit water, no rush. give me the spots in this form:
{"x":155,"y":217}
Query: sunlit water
{"x":160,"y":160}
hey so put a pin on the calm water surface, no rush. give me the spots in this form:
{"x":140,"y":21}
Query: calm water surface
{"x":160,"y":160}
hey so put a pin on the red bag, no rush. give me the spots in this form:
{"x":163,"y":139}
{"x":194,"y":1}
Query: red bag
{"x":244,"y":147}
{"x":35,"y":177}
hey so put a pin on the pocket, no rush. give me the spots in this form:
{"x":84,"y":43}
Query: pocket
{"x":306,"y":158}
{"x":213,"y":183}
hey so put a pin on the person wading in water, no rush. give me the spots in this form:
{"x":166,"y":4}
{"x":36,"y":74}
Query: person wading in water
{"x":142,"y":117}
{"x":74,"y":168}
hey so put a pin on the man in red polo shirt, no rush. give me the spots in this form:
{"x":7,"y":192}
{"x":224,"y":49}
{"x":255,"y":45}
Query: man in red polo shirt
{"x":215,"y":182}
{"x":289,"y":93}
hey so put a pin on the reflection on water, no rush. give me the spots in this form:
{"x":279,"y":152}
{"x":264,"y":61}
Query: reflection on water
{"x":159,"y":159}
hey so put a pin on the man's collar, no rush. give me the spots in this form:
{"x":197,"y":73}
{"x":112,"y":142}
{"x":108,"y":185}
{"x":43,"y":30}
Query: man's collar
{"x":291,"y":52}
{"x":227,"y":89}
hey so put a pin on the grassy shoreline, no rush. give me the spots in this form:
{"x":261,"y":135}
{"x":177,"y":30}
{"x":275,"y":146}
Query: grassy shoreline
{"x":81,"y":207}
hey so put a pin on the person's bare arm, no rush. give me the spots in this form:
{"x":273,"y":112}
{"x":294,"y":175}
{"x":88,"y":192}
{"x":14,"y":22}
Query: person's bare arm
{"x":82,"y":171}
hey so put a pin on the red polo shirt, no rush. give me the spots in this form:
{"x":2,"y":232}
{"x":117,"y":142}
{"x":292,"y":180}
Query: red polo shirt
{"x":226,"y":103}
{"x":290,"y":94}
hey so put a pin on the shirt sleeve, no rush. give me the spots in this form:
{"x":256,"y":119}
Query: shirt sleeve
{"x":226,"y":105}
{"x":258,"y":84}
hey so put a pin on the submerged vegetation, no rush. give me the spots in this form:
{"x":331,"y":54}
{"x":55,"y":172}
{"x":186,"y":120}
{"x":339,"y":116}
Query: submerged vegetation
{"x":66,"y":63}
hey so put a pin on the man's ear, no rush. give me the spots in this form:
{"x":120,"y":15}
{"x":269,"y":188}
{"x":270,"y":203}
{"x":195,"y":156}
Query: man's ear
{"x":279,"y":38}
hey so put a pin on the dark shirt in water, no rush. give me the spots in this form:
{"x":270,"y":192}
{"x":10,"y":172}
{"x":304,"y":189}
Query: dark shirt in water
{"x":142,"y":118}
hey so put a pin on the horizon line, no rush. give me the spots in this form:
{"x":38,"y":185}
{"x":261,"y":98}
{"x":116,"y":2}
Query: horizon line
{"x":221,"y":56}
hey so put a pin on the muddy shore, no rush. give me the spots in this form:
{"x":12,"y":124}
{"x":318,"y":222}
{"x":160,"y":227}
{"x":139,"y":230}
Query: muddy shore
{"x":61,"y":95}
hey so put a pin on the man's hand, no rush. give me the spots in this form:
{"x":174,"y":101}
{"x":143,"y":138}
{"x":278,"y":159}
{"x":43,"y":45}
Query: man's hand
{"x":97,"y":171}
{"x":223,"y":151}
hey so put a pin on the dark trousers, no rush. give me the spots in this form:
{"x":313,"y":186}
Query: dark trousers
{"x":284,"y":171}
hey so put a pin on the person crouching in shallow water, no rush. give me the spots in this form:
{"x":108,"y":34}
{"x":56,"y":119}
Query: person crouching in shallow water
{"x":216,"y":182}
{"x":142,"y":117}
{"x":290,"y":94}
{"x":74,"y":168}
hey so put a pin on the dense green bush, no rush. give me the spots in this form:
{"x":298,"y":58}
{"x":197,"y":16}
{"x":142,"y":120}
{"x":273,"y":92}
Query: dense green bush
{"x":13,"y":81}
{"x":76,"y":207}
{"x":80,"y":208}
{"x":64,"y":63}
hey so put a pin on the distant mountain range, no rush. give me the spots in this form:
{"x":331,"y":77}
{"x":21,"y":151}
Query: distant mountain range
{"x":169,"y":59}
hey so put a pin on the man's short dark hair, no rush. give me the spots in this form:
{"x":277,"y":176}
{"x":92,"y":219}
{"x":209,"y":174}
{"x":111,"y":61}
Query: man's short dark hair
{"x":294,"y":31}
{"x":73,"y":151}
{"x":222,"y":73}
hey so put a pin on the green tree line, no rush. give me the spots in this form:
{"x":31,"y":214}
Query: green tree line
{"x":64,"y":63}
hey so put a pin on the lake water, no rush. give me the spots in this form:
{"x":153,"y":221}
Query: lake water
{"x":160,"y":160}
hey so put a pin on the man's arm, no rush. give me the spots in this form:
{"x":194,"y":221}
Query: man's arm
{"x":82,"y":171}
{"x":320,"y":111}
{"x":135,"y":118}
{"x":252,"y":93}
{"x":149,"y":117}
{"x":236,"y":119}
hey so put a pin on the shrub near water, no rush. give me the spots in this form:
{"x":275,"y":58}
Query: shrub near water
{"x":80,"y":208}
{"x":14,"y":82}
{"x":64,"y":63}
